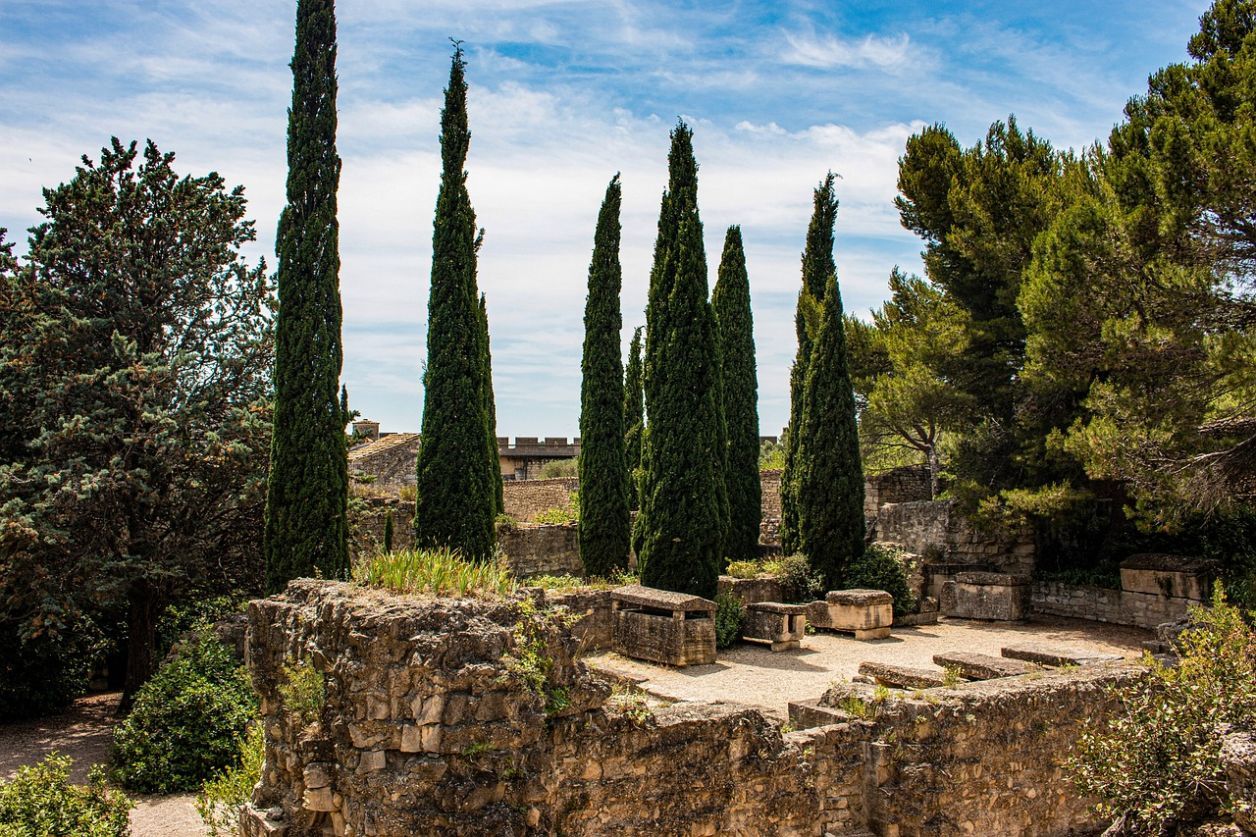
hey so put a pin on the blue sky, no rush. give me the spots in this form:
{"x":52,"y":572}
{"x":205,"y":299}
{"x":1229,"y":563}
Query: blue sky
{"x":563,"y":95}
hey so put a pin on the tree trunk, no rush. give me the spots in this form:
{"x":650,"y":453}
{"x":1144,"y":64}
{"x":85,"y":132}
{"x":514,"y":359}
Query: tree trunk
{"x":934,"y":468}
{"x":143,"y":610}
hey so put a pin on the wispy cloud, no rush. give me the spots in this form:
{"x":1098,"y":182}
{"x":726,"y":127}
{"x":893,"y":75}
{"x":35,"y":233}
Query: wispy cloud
{"x":829,"y":51}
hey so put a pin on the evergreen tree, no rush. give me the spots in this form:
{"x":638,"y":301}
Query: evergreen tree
{"x":830,"y":482}
{"x":634,"y":418}
{"x":604,"y":521}
{"x":456,"y":501}
{"x":490,"y":414}
{"x":731,"y":301}
{"x":307,"y":495}
{"x":817,"y":267}
{"x":684,"y":502}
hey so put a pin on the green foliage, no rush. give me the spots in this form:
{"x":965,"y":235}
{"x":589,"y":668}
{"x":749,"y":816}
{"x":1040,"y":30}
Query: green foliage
{"x":571,"y":582}
{"x":308,"y":487}
{"x":771,"y":456}
{"x":730,"y":614}
{"x":559,"y":469}
{"x":631,"y":702}
{"x":490,"y":413}
{"x":634,"y":417}
{"x":40,"y":802}
{"x":799,"y":582}
{"x":882,"y":568}
{"x":45,"y":672}
{"x":951,"y":677}
{"x":817,"y":267}
{"x":303,"y":691}
{"x":529,"y":661}
{"x":604,"y":488}
{"x":186,"y":721}
{"x":828,"y":482}
{"x":684,"y":501}
{"x":565,"y":515}
{"x":731,"y":303}
{"x":435,"y":572}
{"x":1157,"y":763}
{"x":388,"y":531}
{"x":220,"y":798}
{"x":457,"y":482}
{"x":744,"y":569}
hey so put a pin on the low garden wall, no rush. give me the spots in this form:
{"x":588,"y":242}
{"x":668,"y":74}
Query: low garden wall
{"x":473,"y":717}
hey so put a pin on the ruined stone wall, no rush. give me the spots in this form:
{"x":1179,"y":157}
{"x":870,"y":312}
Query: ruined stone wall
{"x":528,"y":498}
{"x":1103,"y":604}
{"x":898,"y":485}
{"x":539,"y":549}
{"x":937,"y":531}
{"x":430,"y":725}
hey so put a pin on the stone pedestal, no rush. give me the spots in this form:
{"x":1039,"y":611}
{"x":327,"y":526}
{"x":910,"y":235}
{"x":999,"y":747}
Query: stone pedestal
{"x":867,"y":613}
{"x":781,"y":625}
{"x":990,"y":596}
{"x":662,"y":626}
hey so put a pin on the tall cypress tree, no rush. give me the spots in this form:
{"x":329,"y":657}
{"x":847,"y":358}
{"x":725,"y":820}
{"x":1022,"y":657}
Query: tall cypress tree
{"x":684,"y":503}
{"x":307,"y":493}
{"x":731,"y":301}
{"x":604,"y":521}
{"x":817,"y":267}
{"x":830,"y":475}
{"x":634,"y":417}
{"x":456,"y":501}
{"x":490,"y":413}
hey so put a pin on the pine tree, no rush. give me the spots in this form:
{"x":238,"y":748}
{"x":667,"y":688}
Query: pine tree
{"x":634,"y":418}
{"x":602,"y":467}
{"x":307,"y":495}
{"x":731,"y":301}
{"x":456,"y":501}
{"x":684,"y":503}
{"x":830,"y":487}
{"x":490,"y":414}
{"x":817,"y":267}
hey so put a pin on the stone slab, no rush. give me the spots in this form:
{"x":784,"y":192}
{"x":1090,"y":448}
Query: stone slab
{"x":902,"y":677}
{"x":1052,"y":656}
{"x":806,"y":714}
{"x":973,"y":666}
{"x":858,"y":610}
{"x":1170,"y":576}
{"x":990,"y":602}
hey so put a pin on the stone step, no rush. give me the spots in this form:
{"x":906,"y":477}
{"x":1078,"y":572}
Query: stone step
{"x":974,"y":666}
{"x":902,"y":677}
{"x":807,"y":714}
{"x":1050,"y":656}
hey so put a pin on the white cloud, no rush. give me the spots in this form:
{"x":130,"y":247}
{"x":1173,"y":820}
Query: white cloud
{"x":810,"y":49}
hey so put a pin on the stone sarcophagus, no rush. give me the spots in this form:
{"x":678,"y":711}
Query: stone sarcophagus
{"x":664,"y":627}
{"x":1168,"y":576}
{"x":990,"y":596}
{"x":867,"y":613}
{"x":781,"y":625}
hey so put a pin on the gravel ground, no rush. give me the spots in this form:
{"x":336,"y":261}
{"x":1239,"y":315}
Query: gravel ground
{"x":752,"y":675}
{"x":84,"y":732}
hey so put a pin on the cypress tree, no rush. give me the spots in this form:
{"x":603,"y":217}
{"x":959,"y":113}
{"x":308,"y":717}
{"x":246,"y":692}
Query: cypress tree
{"x":634,"y":418}
{"x":817,"y":267}
{"x":456,"y":500}
{"x":731,"y":301}
{"x":602,"y":467}
{"x":307,"y":491}
{"x":684,"y":502}
{"x":830,"y":476}
{"x":490,"y":413}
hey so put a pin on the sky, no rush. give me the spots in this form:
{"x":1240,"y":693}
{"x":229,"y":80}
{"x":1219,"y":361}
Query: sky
{"x":562,"y":96}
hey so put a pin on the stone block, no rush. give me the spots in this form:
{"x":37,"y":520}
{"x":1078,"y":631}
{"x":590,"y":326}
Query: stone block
{"x":988,"y":596}
{"x":1170,"y":576}
{"x":806,"y":714}
{"x":1055,"y":657}
{"x":782,"y":625}
{"x":974,"y":666}
{"x":318,"y":799}
{"x":901,"y":677}
{"x":868,"y":613}
{"x":663,"y":627}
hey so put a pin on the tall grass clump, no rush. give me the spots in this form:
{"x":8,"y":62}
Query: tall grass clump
{"x":436,"y":572}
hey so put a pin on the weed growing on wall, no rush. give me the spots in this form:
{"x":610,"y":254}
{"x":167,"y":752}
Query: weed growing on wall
{"x":436,"y":572}
{"x":303,"y":691}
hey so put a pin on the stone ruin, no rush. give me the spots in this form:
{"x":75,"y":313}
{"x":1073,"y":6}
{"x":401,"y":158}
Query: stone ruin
{"x":665,"y":627}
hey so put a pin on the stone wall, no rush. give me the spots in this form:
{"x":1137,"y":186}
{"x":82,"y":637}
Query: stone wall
{"x":387,"y":461}
{"x":937,"y":531}
{"x":540,"y":549}
{"x":429,"y":727}
{"x":527,"y":498}
{"x":1103,"y":604}
{"x":898,"y":485}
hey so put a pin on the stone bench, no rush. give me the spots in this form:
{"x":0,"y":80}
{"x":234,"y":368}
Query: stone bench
{"x":867,"y":613}
{"x":782,"y":625}
{"x":1055,"y":657}
{"x":902,"y":677}
{"x":974,"y":666}
{"x":664,"y":627}
{"x":988,"y":596}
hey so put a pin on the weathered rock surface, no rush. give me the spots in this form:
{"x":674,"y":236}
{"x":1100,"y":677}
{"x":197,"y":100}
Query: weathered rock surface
{"x":982,"y":666}
{"x":1238,"y":756}
{"x":902,"y":677}
{"x":1052,"y":656}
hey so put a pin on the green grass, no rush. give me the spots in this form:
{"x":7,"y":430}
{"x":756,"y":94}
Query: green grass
{"x":436,"y":572}
{"x":567,"y":581}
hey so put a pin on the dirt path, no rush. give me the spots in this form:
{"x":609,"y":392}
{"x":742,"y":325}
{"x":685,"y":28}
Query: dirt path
{"x":84,"y":732}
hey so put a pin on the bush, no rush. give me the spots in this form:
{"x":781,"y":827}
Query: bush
{"x":799,"y":583}
{"x":220,"y":798}
{"x":43,"y":674}
{"x":744,"y":569}
{"x":303,"y":691}
{"x":729,"y":614}
{"x":1157,"y":762}
{"x":186,"y":722}
{"x":41,"y":802}
{"x":435,"y":572}
{"x":558,"y":469}
{"x":881,"y":568}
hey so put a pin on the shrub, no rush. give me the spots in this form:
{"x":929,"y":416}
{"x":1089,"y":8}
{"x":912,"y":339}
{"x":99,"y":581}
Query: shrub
{"x":744,"y":569}
{"x":303,"y":691}
{"x":45,"y":673}
{"x":220,"y":798}
{"x":186,"y":721}
{"x":435,"y":572}
{"x":799,"y":583}
{"x":40,"y":802}
{"x":729,"y":615}
{"x":881,"y":568}
{"x":1157,"y":762}
{"x":561,"y":515}
{"x":558,"y":469}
